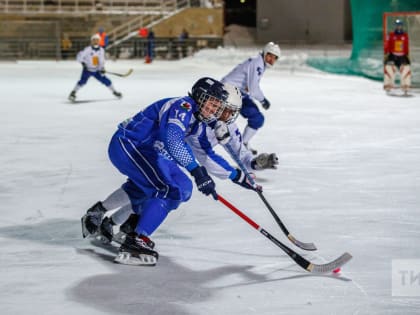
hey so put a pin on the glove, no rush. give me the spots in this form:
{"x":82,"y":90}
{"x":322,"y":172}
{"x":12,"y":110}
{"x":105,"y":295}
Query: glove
{"x":102,"y":71}
{"x":222,"y":133}
{"x":265,"y":104}
{"x":84,"y":66}
{"x":241,"y":180}
{"x":386,"y":58}
{"x":265,"y":161}
{"x":203,"y":181}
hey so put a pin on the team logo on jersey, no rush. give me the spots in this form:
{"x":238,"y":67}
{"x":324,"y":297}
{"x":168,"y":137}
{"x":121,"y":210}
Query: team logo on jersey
{"x":186,"y":106}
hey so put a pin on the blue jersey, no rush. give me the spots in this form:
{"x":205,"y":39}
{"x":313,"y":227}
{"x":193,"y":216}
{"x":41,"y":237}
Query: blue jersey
{"x":163,"y":126}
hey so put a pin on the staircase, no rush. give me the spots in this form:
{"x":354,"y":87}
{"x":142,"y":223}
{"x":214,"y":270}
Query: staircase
{"x":148,"y":19}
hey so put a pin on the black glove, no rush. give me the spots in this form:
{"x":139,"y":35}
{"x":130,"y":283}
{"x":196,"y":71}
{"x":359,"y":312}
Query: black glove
{"x":265,"y":104}
{"x":102,"y":71}
{"x":386,"y":56}
{"x":265,"y":161}
{"x":241,"y":180}
{"x":84,"y":66}
{"x":203,"y":181}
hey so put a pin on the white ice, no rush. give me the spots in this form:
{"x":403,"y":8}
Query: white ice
{"x":348,"y":180}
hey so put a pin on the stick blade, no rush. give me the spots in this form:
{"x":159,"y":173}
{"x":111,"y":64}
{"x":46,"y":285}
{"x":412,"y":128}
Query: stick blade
{"x":130,"y":71}
{"x":331,"y":266}
{"x":303,"y":245}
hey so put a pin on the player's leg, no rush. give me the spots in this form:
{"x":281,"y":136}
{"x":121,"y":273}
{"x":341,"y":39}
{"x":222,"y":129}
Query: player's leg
{"x":83,"y":79}
{"x":255,"y":119}
{"x":107,"y":82}
{"x":389,"y":76}
{"x":390,"y":71}
{"x":93,"y":218}
{"x":137,"y":247}
{"x":405,"y":73}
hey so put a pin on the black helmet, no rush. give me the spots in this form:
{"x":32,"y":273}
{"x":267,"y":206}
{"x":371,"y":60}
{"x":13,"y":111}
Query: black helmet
{"x":206,"y":88}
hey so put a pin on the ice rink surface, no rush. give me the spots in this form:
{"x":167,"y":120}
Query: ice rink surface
{"x":348,"y":180}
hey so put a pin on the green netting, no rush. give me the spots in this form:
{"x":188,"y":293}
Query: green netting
{"x":367,"y":52}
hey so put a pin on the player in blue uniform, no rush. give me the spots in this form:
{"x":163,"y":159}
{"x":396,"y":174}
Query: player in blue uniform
{"x":246,"y":76}
{"x":92,"y":59}
{"x":149,"y":149}
{"x":202,"y":142}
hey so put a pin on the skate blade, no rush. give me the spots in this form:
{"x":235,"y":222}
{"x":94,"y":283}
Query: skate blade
{"x":119,"y":237}
{"x":102,"y":239}
{"x":138,"y":260}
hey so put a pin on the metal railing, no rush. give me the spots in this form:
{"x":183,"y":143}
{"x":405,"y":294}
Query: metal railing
{"x":92,"y":6}
{"x":47,"y":48}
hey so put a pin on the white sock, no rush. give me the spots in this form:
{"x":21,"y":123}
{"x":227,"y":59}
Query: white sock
{"x":118,"y":198}
{"x":77,"y":87}
{"x":121,"y":215}
{"x":248,"y":134}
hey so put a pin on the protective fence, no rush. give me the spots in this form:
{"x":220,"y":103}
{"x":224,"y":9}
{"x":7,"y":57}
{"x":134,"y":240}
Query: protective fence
{"x":371,"y":20}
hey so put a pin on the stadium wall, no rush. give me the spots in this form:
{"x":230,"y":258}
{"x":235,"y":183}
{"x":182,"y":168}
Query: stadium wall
{"x":303,"y":21}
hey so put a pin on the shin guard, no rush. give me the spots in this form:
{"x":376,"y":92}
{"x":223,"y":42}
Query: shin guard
{"x":405,"y":73}
{"x":389,"y":76}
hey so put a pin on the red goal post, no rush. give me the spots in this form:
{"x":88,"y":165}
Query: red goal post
{"x":411,"y":22}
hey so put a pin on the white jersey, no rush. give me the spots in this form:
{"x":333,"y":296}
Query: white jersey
{"x":93,"y":58}
{"x":204,"y":140}
{"x":247,"y":75}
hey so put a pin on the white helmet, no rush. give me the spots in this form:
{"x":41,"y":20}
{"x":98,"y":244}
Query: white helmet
{"x":233,"y":102}
{"x":95,"y":36}
{"x":273,"y":49}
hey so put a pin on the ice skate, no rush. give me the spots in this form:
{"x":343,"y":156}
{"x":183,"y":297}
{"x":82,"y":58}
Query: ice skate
{"x":127,"y":227}
{"x":117,"y":94}
{"x":253,"y":151}
{"x":72,"y":96}
{"x":105,"y":233}
{"x":92,"y":219}
{"x":137,"y":250}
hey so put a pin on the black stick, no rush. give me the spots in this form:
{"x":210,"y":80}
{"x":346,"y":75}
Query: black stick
{"x":301,"y":261}
{"x":303,"y":245}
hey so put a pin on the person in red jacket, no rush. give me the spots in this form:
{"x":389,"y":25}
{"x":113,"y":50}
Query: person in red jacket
{"x":396,"y":56}
{"x":103,"y":42}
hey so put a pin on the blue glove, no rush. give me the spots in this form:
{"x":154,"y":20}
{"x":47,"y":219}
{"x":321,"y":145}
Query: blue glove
{"x":204,"y":182}
{"x":265,"y":104}
{"x":241,"y":180}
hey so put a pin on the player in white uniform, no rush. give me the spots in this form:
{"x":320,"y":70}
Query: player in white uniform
{"x":92,"y":59}
{"x":246,"y":76}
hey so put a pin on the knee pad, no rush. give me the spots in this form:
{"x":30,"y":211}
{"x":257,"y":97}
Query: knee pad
{"x":256,"y":121}
{"x":136,"y":195}
{"x":405,"y":73}
{"x":389,"y":76}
